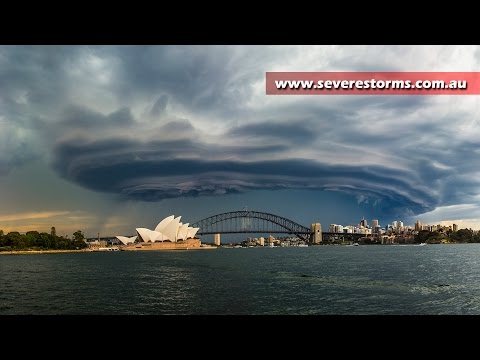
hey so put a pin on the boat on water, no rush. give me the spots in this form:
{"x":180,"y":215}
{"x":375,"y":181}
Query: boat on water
{"x":302,"y":245}
{"x":113,"y":248}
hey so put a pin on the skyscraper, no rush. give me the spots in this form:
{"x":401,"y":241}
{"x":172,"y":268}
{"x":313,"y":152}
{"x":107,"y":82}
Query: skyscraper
{"x":455,"y":227}
{"x":418,"y":226}
{"x":374,"y":223}
{"x":363,"y":223}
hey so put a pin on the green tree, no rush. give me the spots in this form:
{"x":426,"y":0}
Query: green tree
{"x":422,"y":236}
{"x":15,"y":240}
{"x":2,"y":239}
{"x":45,"y":241}
{"x":463,"y":235}
{"x":425,"y":236}
{"x":78,"y":236}
{"x":11,"y":238}
{"x":32,"y":238}
{"x":78,"y":240}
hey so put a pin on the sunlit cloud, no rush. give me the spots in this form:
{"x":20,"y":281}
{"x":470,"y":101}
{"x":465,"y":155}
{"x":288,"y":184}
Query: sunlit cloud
{"x":32,"y":215}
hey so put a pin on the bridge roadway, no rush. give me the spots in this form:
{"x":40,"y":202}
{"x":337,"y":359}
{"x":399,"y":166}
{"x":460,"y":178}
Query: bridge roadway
{"x":256,"y":222}
{"x":279,"y":232}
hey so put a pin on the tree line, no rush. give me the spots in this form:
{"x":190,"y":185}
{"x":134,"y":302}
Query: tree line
{"x":460,"y":236}
{"x":34,"y":240}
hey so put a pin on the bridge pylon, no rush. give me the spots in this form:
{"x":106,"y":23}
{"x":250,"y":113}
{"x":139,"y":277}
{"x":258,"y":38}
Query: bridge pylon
{"x":316,"y":233}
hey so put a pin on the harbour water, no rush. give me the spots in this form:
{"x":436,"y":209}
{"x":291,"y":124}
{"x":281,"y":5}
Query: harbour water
{"x":432,"y":279}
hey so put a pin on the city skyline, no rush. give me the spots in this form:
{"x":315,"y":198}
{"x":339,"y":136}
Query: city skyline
{"x":99,"y":138}
{"x":394,"y":225}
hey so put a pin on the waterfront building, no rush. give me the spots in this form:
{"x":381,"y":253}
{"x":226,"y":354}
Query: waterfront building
{"x":169,"y":229}
{"x":418,"y":225}
{"x":363,"y":223}
{"x":334,"y":228}
{"x":271,"y":239}
{"x":97,"y":244}
{"x":169,"y":234}
{"x":348,"y":229}
{"x":365,"y":231}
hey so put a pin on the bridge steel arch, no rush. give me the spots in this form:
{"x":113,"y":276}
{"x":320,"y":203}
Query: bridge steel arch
{"x":230,"y":223}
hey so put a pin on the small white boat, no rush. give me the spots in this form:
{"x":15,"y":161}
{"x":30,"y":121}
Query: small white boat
{"x":302,"y":245}
{"x":113,"y":248}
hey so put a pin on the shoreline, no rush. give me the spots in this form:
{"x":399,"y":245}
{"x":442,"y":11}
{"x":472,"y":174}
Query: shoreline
{"x":27,"y":252}
{"x":31,"y":252}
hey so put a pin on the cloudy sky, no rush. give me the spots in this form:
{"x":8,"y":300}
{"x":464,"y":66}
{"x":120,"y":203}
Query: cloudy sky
{"x":109,"y":138}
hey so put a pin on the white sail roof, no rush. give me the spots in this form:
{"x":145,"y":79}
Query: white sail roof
{"x":143,"y":233}
{"x":147,"y":235}
{"x":172,"y":228}
{"x":182,"y":231}
{"x":191,"y":232}
{"x":162,"y":224}
{"x":160,"y":236}
{"x":126,"y":240}
{"x":169,"y":228}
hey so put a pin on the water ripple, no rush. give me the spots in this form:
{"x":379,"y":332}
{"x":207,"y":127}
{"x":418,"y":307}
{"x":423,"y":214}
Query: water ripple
{"x":315,"y":280}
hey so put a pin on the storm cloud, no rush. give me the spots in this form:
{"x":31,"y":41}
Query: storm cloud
{"x":156,"y":170}
{"x":149,"y":123}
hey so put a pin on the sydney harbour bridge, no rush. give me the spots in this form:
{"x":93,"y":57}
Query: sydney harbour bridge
{"x":248,"y":222}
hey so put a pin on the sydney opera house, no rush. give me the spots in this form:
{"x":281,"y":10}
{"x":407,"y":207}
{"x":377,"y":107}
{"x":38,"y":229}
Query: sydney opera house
{"x":170,"y":234}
